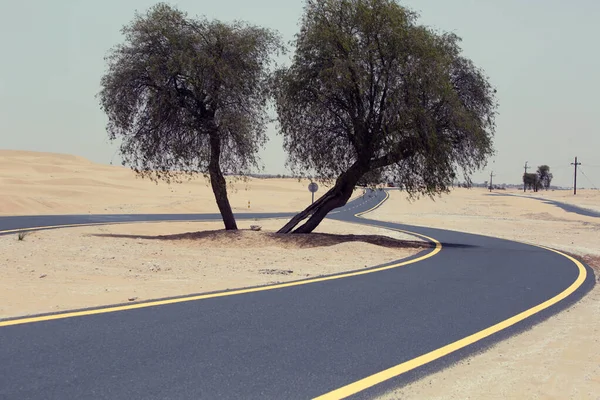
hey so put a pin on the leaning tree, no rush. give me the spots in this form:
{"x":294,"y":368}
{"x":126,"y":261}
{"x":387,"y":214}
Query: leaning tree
{"x":369,"y":90}
{"x":187,"y":96}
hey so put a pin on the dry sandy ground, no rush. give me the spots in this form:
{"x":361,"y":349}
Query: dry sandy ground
{"x":523,"y":219}
{"x":77,"y":267}
{"x":587,"y":198}
{"x":48,"y":183}
{"x":91,"y":266}
{"x":557,"y":359}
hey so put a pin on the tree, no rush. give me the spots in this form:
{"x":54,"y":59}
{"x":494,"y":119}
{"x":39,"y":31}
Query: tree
{"x":532,"y":181}
{"x":371,"y":179}
{"x":369,"y":89}
{"x":188,"y":96}
{"x":544,"y":176}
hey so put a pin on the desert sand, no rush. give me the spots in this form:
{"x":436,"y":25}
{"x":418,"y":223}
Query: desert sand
{"x":48,"y":183}
{"x":523,"y":219}
{"x":584,"y":198}
{"x":558,"y":359}
{"x":99,"y":265}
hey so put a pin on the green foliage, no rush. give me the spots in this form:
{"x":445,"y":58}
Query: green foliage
{"x":544,"y":176}
{"x":178,"y":81}
{"x":370,"y":90}
{"x":371,"y":178}
{"x":532,"y":181}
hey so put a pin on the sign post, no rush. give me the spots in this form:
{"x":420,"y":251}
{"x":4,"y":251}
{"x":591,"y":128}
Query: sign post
{"x":313,"y":187}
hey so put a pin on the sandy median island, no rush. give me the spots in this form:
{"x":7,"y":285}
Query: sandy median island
{"x":91,"y":266}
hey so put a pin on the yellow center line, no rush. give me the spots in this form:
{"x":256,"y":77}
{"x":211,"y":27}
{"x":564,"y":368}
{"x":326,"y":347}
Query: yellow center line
{"x":49,"y":227}
{"x":103,"y":310}
{"x":368,"y":381}
{"x":406,"y":366}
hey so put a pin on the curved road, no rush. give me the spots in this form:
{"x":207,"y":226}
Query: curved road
{"x":354,"y":334}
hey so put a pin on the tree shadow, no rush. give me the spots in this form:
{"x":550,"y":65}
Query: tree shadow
{"x":244,"y":238}
{"x":458,"y":245}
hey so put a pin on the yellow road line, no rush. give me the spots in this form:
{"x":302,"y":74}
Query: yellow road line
{"x":25,"y":320}
{"x":38,"y":228}
{"x":49,"y":227}
{"x":387,"y":196}
{"x":220,"y":294}
{"x":366,"y":382}
{"x":406,"y":366}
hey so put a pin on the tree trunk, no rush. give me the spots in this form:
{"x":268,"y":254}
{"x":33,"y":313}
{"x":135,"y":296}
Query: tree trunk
{"x":218,"y":183}
{"x":336,"y":197}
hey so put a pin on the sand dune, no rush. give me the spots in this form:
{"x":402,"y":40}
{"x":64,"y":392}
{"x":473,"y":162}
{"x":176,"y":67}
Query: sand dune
{"x":48,"y":183}
{"x":92,"y":266}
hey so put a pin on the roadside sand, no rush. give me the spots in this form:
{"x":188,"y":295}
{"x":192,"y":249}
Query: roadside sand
{"x":478,"y":211}
{"x":557,"y":359}
{"x":92,"y":266}
{"x":48,"y":183}
{"x":584,"y":198}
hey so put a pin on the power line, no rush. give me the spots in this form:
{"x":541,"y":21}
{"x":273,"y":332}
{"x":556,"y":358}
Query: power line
{"x":560,"y":167}
{"x":586,"y":177}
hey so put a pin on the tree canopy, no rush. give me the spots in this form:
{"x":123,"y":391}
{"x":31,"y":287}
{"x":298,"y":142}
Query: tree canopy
{"x":188,"y":96}
{"x":544,"y":176}
{"x":532,"y":181}
{"x":371,"y":90}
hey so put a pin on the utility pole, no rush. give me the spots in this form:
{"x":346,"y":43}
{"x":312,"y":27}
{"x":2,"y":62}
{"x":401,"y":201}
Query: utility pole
{"x":526,"y":168}
{"x":575,"y":176}
{"x":491,"y":180}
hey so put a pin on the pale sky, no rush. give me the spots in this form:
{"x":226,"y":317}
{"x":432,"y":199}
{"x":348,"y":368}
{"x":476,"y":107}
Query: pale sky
{"x":543,"y":57}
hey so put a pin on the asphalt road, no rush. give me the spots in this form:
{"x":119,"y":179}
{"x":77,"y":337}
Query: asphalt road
{"x":295,"y":342}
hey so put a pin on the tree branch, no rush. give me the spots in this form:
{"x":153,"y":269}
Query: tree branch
{"x":393,"y":157}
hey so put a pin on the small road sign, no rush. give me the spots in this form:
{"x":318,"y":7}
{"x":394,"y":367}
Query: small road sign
{"x":313,"y":187}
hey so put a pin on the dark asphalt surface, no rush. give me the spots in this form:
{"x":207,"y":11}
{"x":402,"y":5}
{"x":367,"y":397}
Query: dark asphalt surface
{"x":10,"y":223}
{"x":291,"y":343}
